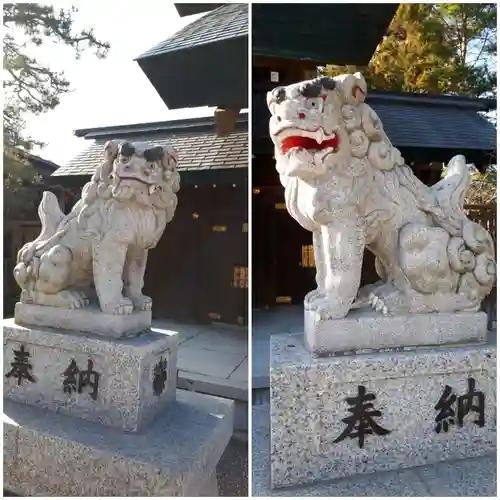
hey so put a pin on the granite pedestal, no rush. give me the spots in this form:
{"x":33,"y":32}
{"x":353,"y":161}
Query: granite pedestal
{"x":123,"y":369}
{"x":473,"y":477}
{"x":86,"y":415}
{"x":50,"y":454}
{"x":88,"y":320}
{"x":367,"y":329}
{"x":352,"y":414}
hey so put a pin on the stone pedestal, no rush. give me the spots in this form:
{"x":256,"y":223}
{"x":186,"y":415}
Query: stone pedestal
{"x":86,"y":415}
{"x":353,"y":414}
{"x":367,"y":329}
{"x":87,"y":320}
{"x":50,"y":454}
{"x":124,"y":389}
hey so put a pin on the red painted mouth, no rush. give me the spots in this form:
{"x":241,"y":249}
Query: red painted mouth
{"x":307,"y":143}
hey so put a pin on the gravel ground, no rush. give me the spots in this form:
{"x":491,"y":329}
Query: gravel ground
{"x":232,"y":470}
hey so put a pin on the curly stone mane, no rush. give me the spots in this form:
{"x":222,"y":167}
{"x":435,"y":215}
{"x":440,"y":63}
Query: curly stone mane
{"x":121,"y":215}
{"x":103,"y":195}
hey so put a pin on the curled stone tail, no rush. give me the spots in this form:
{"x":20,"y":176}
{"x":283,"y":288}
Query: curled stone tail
{"x":450,"y":194}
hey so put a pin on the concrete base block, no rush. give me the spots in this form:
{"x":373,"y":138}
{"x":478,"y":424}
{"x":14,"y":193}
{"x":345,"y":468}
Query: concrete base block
{"x":354,"y":414}
{"x":367,"y":329}
{"x":122,"y":383}
{"x":49,"y":454}
{"x":88,"y":320}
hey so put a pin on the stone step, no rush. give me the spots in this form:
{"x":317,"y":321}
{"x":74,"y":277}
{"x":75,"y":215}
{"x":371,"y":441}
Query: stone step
{"x":51,"y":454}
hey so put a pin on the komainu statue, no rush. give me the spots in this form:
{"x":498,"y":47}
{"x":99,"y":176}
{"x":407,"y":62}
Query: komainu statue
{"x":99,"y":250}
{"x":347,"y":184}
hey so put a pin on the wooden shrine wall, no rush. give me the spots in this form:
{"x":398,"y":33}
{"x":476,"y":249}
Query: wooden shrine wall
{"x":199,"y":270}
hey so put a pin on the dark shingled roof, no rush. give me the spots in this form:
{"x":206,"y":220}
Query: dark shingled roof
{"x":42,"y":165}
{"x":228,"y":21}
{"x":444,"y":127}
{"x":195,"y":140}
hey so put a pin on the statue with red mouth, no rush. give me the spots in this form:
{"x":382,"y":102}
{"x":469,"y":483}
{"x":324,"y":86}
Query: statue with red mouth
{"x":347,"y":184}
{"x":100,"y":248}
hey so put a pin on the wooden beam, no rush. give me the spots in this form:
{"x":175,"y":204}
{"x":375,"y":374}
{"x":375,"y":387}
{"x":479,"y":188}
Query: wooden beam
{"x":225,"y":120}
{"x":280,"y":63}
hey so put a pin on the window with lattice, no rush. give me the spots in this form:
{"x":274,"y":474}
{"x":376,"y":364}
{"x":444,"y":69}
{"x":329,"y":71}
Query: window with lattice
{"x":308,"y":256}
{"x":240,"y":277}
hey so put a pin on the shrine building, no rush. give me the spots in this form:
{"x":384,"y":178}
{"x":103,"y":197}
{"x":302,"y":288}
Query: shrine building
{"x":198,"y":272}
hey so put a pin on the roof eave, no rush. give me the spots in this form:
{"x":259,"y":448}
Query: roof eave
{"x":176,"y":75}
{"x":477,"y":103}
{"x":151,"y":55}
{"x":189,"y":9}
{"x":149,"y":127}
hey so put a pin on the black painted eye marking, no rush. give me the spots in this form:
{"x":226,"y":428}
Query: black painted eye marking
{"x":154,"y":154}
{"x":126,"y":149}
{"x":328,"y":83}
{"x":279,"y":94}
{"x":314,"y":87}
{"x":311,"y":89}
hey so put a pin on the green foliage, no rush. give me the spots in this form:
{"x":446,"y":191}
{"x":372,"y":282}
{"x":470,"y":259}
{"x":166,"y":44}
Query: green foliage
{"x":19,"y":178}
{"x":436,"y":48}
{"x":32,"y":88}
{"x":29,"y":86}
{"x":483,"y":187}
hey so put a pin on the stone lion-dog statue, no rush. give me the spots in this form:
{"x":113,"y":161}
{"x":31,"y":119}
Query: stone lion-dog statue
{"x":99,"y":250}
{"x":346,"y":183}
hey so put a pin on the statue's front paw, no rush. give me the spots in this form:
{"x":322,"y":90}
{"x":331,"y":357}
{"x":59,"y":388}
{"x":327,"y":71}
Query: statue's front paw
{"x":120,"y":306}
{"x":378,"y":304}
{"x":312,"y":298}
{"x":327,"y":309}
{"x":142,"y":302}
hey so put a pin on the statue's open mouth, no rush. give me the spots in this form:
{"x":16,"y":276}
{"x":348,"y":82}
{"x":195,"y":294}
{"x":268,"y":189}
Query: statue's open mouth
{"x":297,"y":141}
{"x":130,"y":178}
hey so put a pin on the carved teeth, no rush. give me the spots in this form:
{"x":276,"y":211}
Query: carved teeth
{"x":320,"y":136}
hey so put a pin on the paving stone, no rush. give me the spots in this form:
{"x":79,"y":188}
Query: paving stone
{"x":213,"y":363}
{"x":463,"y":478}
{"x":223,"y":387}
{"x":241,"y":373}
{"x":234,"y":342}
{"x":185,"y":332}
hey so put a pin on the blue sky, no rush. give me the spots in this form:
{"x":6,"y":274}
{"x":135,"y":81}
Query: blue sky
{"x":113,"y":91}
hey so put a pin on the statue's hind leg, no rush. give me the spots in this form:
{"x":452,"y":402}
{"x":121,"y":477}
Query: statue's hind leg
{"x":49,"y":275}
{"x":67,"y":299}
